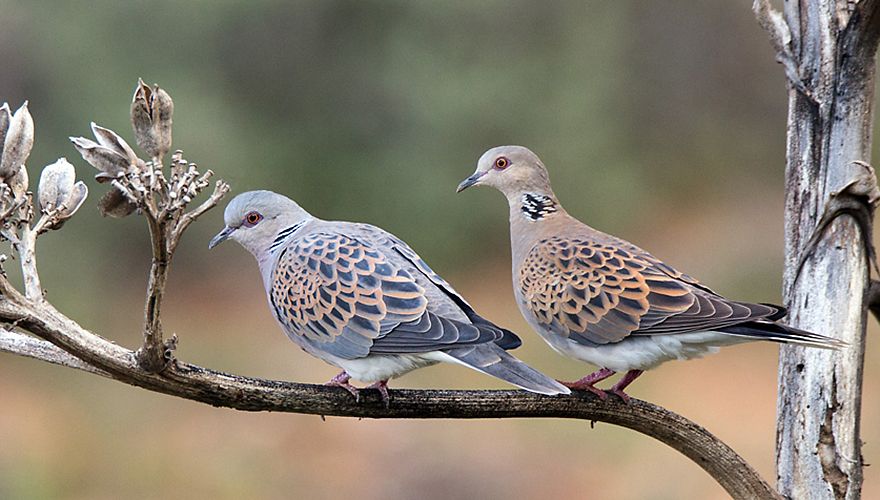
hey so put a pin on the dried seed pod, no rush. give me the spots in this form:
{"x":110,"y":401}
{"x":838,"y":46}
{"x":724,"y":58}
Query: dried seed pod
{"x":110,"y":163}
{"x":163,"y":110}
{"x":17,"y":143}
{"x":19,"y":182}
{"x":56,"y":185}
{"x":112,"y":140}
{"x":115,"y":204}
{"x":77,"y":196}
{"x":5,"y":118}
{"x":151,"y":119}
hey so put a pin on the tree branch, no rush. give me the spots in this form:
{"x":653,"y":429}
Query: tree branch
{"x":34,"y":348}
{"x":825,"y":284}
{"x":252,"y":394}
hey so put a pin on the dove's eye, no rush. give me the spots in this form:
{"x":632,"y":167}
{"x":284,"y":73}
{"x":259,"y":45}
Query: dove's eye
{"x":252,"y":218}
{"x":501,"y":163}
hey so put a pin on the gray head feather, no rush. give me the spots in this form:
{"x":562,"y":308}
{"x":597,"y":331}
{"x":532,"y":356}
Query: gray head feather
{"x":254,"y":218}
{"x":513,"y":170}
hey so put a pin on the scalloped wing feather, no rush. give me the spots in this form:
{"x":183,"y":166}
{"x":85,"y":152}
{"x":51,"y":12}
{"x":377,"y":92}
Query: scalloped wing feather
{"x":600,"y":292}
{"x":344,"y":296}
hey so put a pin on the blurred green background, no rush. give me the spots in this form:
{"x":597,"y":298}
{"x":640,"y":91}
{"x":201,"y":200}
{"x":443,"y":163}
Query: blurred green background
{"x":660,"y":122}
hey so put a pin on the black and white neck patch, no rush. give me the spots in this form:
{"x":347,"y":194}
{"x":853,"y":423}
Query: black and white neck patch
{"x":537,"y":206}
{"x":284,"y":234}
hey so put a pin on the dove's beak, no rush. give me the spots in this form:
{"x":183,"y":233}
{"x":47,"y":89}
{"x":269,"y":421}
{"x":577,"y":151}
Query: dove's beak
{"x":221,"y":237}
{"x":470,"y":181}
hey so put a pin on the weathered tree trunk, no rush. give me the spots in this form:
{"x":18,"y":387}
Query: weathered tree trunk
{"x":827,"y":50}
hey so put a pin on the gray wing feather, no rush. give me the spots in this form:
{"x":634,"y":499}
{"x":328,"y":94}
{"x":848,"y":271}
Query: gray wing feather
{"x":342,"y":294}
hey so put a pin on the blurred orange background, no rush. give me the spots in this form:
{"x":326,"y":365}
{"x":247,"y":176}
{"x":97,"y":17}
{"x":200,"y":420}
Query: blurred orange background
{"x":661,"y":124}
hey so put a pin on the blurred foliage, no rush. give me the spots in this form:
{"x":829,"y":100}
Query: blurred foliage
{"x":660,"y":122}
{"x":373,"y":110}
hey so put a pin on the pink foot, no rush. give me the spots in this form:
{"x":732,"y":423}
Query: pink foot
{"x":341,"y":380}
{"x":587,"y":383}
{"x":382,"y":387}
{"x":625,"y":381}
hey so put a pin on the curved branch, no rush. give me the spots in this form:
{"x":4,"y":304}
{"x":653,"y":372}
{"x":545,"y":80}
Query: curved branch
{"x":34,"y":348}
{"x":192,"y":382}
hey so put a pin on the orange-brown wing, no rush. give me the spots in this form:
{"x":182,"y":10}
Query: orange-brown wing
{"x":341,"y":294}
{"x":602,"y":292}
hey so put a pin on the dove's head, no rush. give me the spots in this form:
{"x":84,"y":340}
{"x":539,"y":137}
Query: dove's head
{"x":255,"y":218}
{"x":513,"y":170}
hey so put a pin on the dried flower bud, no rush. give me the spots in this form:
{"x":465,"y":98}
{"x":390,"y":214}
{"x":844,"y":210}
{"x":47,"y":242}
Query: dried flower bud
{"x":77,"y":196}
{"x":115,"y":204}
{"x":19,"y":182}
{"x":5,"y":118}
{"x":151,"y":113}
{"x":56,"y":185}
{"x":112,"y":140}
{"x":110,"y":163}
{"x":18,"y":141}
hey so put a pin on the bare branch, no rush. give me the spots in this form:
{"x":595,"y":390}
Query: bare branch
{"x":25,"y":345}
{"x":252,"y":394}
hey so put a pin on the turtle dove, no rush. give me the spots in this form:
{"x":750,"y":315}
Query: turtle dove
{"x":603,"y":300}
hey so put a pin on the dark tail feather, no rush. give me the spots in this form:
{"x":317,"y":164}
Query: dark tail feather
{"x":779,"y":314}
{"x":493,"y":360}
{"x":776,"y":332}
{"x":508,"y":339}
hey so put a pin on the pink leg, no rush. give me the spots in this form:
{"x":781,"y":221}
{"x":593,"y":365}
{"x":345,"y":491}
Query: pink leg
{"x":586,"y":383}
{"x":625,"y":381}
{"x":382,"y":387}
{"x":341,"y":380}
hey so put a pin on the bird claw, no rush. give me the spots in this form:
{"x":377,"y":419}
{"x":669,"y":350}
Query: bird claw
{"x":580,"y":386}
{"x":382,"y":387}
{"x":341,"y":380}
{"x":622,"y":395}
{"x":623,"y":382}
{"x":587,"y":383}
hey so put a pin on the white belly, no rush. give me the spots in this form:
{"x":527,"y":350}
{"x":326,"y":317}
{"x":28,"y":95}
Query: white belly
{"x":377,"y":367}
{"x":644,"y":353}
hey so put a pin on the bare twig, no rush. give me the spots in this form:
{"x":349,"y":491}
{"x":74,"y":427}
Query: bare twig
{"x":220,"y":190}
{"x":152,"y":354}
{"x":780,"y":37}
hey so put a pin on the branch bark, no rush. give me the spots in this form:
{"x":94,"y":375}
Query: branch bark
{"x":195,"y":383}
{"x":34,"y":348}
{"x":827,"y":271}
